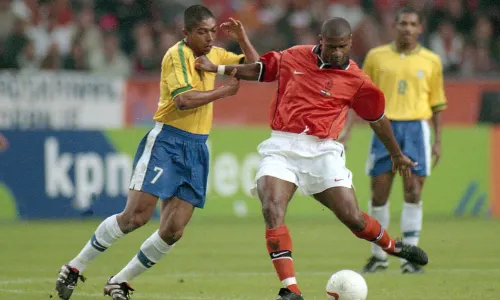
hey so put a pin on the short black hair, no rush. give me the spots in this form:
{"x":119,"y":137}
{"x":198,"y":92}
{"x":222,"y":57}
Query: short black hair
{"x":335,"y":27}
{"x":194,"y":14}
{"x":409,"y":10}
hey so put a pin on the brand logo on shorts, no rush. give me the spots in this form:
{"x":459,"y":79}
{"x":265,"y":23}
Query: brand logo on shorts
{"x":338,"y":179}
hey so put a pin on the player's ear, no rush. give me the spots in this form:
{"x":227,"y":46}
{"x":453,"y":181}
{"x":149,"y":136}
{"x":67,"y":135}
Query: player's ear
{"x":185,"y":31}
{"x":320,"y":39}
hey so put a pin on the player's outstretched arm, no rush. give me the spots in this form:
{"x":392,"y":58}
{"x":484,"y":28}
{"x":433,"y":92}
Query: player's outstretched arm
{"x":369,"y":104}
{"x":246,"y":72}
{"x":194,"y":99}
{"x":236,"y":31}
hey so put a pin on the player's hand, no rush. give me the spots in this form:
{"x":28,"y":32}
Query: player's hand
{"x":234,"y":29}
{"x":233,"y":85}
{"x":436,"y":153}
{"x":402,"y":164}
{"x":202,"y":63}
{"x":4,"y":144}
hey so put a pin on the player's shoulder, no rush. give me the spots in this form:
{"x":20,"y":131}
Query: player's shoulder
{"x":218,"y":51}
{"x":354,"y":68}
{"x":429,"y":55}
{"x":380,"y":50}
{"x":179,"y":50}
{"x":301,"y":49}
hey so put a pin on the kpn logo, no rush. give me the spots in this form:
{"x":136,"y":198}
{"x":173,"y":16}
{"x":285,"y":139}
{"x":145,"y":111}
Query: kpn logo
{"x":84,"y":176}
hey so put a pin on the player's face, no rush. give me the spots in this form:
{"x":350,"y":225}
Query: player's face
{"x":201,"y":38}
{"x":408,"y":28}
{"x":335,"y":50}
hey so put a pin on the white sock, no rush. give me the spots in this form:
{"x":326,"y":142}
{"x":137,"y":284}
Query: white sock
{"x":106,"y":234}
{"x":382,"y":215}
{"x":152,"y":250}
{"x":411,"y":223}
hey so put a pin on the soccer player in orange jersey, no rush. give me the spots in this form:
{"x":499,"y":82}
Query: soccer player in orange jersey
{"x":317,"y":85}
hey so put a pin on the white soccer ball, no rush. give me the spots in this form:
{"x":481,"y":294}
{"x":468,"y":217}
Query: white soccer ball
{"x":346,"y":285}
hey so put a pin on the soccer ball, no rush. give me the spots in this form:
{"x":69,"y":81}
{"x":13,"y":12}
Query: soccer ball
{"x":346,"y":285}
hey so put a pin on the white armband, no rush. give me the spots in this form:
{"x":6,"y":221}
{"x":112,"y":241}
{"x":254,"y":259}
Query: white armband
{"x":221,"y":69}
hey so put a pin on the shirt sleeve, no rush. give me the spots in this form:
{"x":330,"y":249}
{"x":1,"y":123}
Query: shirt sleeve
{"x":369,"y":102}
{"x":230,"y":58}
{"x":437,"y":98}
{"x":176,"y":73}
{"x":270,"y":63}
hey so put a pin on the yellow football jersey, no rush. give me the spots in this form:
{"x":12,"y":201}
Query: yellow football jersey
{"x":178,"y":75}
{"x":411,"y":82}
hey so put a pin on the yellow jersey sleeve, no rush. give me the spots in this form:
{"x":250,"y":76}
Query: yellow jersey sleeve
{"x":177,"y":74}
{"x":437,"y":99}
{"x":229,"y":58}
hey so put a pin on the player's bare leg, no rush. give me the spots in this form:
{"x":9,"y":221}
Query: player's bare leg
{"x":343,"y":203}
{"x":175,"y":215}
{"x":275,"y":194}
{"x":379,"y":209}
{"x":138,"y":211}
{"x":411,"y":217}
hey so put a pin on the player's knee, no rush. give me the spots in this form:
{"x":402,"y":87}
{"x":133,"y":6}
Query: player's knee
{"x":138,"y":220}
{"x":378,"y":200}
{"x":412,"y":194}
{"x":130,"y":222}
{"x":171,"y":235}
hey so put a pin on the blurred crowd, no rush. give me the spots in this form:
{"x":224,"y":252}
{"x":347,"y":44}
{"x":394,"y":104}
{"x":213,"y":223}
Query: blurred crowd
{"x":130,"y":37}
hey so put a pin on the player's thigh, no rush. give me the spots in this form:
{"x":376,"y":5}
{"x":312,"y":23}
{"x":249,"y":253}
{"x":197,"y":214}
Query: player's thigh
{"x":274,"y":194}
{"x":343,"y":203}
{"x":175,"y":214}
{"x":381,"y":188}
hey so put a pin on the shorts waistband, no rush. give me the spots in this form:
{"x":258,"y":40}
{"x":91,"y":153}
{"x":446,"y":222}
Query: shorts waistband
{"x":299,"y":136}
{"x":182,"y":134}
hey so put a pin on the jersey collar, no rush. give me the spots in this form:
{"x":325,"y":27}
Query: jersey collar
{"x":322,"y":65}
{"x":414,"y":51}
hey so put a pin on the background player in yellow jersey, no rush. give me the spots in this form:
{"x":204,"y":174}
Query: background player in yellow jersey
{"x":171,"y":162}
{"x":411,"y":79}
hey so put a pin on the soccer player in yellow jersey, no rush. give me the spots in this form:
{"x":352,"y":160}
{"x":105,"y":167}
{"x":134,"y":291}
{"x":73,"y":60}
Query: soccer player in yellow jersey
{"x":411,"y":79}
{"x":171,"y":162}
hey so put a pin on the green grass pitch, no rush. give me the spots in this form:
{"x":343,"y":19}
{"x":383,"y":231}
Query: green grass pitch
{"x":225,"y":258}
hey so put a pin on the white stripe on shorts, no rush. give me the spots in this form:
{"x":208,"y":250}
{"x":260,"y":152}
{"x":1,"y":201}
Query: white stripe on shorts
{"x":142,"y":164}
{"x":426,"y":135}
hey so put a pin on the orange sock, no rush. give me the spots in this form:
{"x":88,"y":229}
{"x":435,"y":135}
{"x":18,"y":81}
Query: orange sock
{"x":376,"y":234}
{"x":279,"y":247}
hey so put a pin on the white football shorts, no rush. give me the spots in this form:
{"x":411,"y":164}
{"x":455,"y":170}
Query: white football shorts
{"x":311,"y":163}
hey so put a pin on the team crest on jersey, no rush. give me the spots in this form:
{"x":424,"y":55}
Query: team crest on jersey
{"x":327,"y":89}
{"x":420,"y":74}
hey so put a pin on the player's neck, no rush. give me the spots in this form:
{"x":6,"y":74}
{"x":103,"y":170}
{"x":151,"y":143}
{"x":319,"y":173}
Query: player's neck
{"x":405,"y":47}
{"x":187,"y":43}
